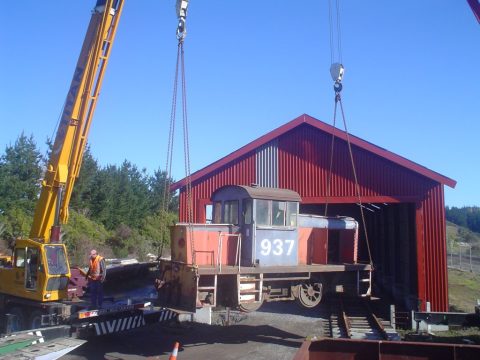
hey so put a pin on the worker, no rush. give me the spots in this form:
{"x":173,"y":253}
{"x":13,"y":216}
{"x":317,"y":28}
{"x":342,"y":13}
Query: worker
{"x":96,"y":276}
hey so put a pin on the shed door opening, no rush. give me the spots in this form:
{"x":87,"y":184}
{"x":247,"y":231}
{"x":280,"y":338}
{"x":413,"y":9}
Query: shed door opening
{"x":392,"y":233}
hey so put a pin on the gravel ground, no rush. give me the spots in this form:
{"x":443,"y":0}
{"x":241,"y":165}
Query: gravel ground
{"x":276,"y":331}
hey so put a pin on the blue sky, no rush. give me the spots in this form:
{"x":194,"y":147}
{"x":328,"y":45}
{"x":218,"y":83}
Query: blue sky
{"x":411,"y":85}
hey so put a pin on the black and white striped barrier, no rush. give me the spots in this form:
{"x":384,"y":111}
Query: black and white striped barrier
{"x":166,"y":315}
{"x":39,"y":336}
{"x":117,"y":325}
{"x":131,"y":322}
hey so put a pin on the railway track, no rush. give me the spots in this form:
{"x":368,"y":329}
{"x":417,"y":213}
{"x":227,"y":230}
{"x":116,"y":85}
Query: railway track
{"x":353,"y":318}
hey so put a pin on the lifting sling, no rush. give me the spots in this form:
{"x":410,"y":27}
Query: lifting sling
{"x":179,"y":70}
{"x":337,"y":71}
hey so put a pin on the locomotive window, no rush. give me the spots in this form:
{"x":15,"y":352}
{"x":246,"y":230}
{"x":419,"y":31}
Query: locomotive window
{"x":247,"y":211}
{"x":208,"y":214}
{"x":278,"y":213}
{"x":262,"y":214}
{"x":217,"y":212}
{"x":230,"y":212}
{"x":292,"y":213}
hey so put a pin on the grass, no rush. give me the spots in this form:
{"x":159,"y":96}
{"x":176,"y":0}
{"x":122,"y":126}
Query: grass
{"x":464,"y":290}
{"x":458,"y":234}
{"x":469,"y":336}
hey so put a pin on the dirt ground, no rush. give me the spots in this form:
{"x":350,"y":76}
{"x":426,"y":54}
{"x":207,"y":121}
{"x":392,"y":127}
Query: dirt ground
{"x":276,"y":331}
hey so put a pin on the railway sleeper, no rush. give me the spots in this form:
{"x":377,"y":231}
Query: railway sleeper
{"x":354,"y":318}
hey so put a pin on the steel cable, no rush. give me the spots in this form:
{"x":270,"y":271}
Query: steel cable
{"x":329,"y":180}
{"x":332,"y":31}
{"x":168,"y":163}
{"x":330,"y":23}
{"x":186,"y":147}
{"x":339,"y":33}
{"x":357,"y":186}
{"x":338,"y":99}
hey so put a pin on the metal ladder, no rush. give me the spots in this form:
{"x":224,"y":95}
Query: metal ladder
{"x":207,"y":290}
{"x":250,"y":288}
{"x":364,"y":284}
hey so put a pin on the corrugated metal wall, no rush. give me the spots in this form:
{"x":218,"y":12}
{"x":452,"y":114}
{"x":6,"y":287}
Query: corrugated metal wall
{"x":435,"y":247}
{"x":304,"y":160}
{"x":303,"y":163}
{"x":238,"y":172}
{"x":267,"y":165}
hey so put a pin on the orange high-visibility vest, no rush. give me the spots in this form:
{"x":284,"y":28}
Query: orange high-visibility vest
{"x":94,"y":271}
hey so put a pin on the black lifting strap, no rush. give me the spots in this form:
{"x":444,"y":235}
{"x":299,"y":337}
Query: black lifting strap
{"x":338,"y":100}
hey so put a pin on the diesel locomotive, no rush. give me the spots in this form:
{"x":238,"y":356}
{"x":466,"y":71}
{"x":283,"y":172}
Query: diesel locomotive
{"x":259,"y":248}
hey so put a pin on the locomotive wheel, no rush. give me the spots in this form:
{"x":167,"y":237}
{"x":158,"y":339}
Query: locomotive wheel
{"x":250,"y":307}
{"x":309,"y":294}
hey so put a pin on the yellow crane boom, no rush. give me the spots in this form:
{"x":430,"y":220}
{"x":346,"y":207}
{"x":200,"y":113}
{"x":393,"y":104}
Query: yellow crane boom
{"x":67,"y":152}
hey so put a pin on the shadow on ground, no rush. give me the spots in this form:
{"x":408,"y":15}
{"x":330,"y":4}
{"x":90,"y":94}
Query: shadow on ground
{"x":157,"y":342}
{"x":291,"y":308}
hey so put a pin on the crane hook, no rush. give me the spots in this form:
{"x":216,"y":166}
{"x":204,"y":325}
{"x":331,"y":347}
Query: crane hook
{"x":182,"y":17}
{"x":336,"y":71}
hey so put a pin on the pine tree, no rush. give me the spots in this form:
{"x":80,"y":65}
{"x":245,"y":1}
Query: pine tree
{"x":20,"y":174}
{"x":157,"y":184}
{"x":83,"y":190}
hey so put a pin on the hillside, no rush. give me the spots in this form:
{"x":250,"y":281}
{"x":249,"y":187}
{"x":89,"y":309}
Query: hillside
{"x":463,"y":290}
{"x":463,"y":286}
{"x":458,"y":234}
{"x":120,"y":210}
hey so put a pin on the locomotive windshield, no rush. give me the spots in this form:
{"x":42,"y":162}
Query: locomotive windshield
{"x":247,"y":211}
{"x":247,"y":205}
{"x":276,"y":213}
{"x":230,"y":212}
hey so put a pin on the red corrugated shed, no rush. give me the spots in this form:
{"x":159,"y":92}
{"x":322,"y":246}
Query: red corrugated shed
{"x":296,"y":156}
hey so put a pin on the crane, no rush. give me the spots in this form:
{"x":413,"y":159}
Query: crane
{"x":475,"y":5}
{"x":34,"y":289}
{"x":40,"y":270}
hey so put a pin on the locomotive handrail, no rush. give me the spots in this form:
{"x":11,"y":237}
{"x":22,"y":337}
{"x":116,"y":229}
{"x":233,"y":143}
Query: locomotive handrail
{"x":238,"y":255}
{"x":220,"y":249}
{"x":277,"y":227}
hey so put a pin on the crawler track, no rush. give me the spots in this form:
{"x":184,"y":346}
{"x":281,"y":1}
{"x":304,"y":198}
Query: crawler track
{"x":353,"y":318}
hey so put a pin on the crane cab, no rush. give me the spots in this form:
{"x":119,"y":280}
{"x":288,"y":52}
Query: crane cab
{"x":38,"y":272}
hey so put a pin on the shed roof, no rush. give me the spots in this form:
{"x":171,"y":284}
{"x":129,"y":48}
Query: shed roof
{"x":307,"y":119}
